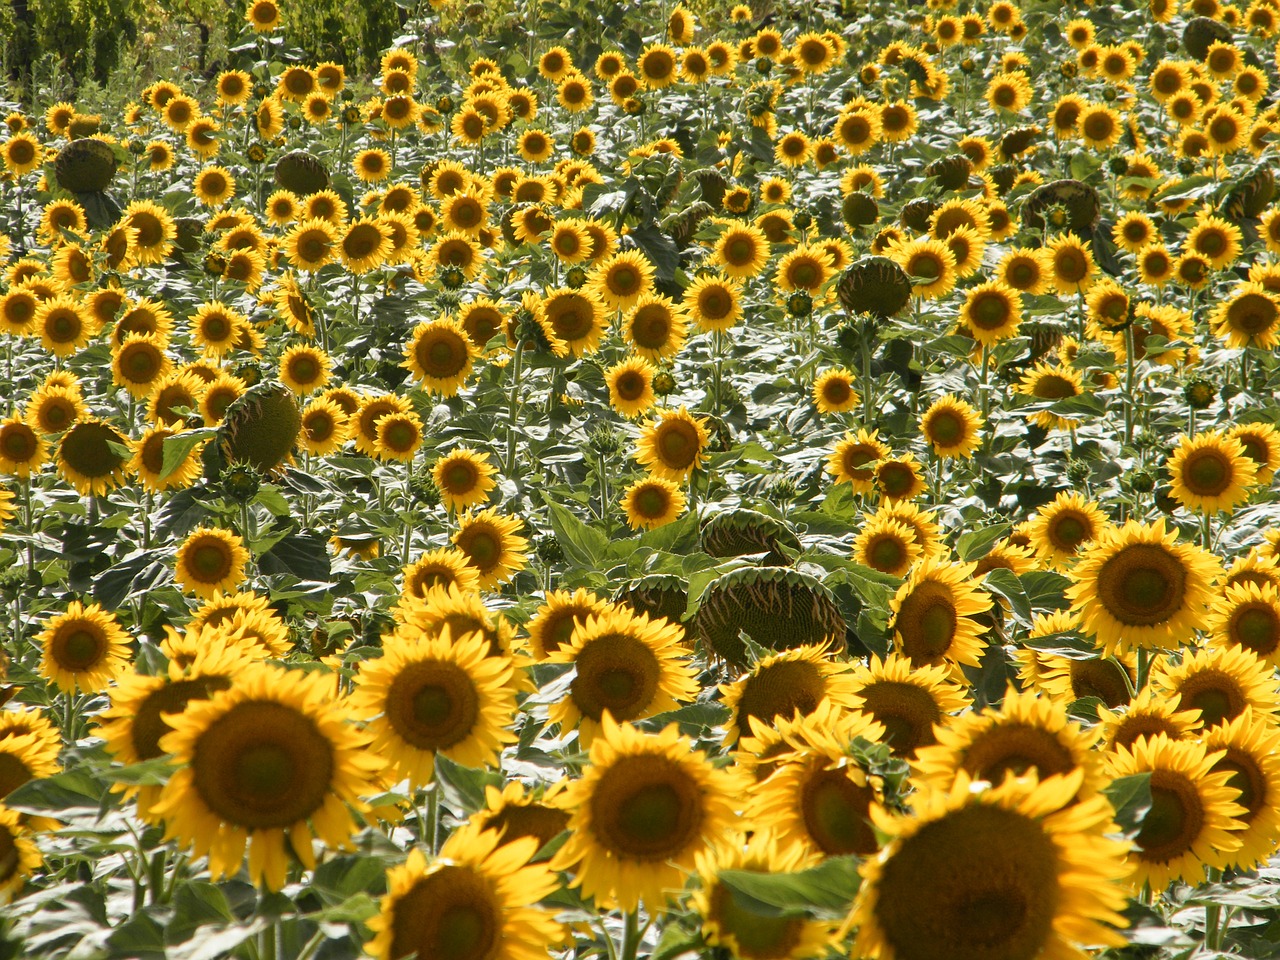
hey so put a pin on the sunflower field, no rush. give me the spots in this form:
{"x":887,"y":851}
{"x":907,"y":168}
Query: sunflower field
{"x":644,"y":481}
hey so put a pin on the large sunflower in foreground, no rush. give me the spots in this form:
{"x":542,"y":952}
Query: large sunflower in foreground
{"x":476,"y":901}
{"x":436,"y":695}
{"x":266,"y":763}
{"x":1137,"y":586}
{"x":645,"y":807}
{"x":1011,"y":872}
{"x":746,"y":934}
{"x":1028,"y":735}
{"x":933,"y":615}
{"x":627,"y":667}
{"x":911,"y":703}
{"x":1191,"y":823}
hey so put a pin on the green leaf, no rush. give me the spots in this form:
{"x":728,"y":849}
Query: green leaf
{"x":582,"y":544}
{"x":828,"y":889}
{"x":304,"y":555}
{"x":971,"y":546}
{"x":1130,"y":797}
{"x":139,"y":936}
{"x":138,"y":573}
{"x":150,"y":773}
{"x":1006,"y":583}
{"x":660,"y":249}
{"x":74,"y":793}
{"x":679,"y":536}
{"x":464,"y":786}
{"x":175,"y":449}
{"x":675,"y":942}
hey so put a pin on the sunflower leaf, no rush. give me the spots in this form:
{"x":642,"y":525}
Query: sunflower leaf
{"x":175,"y":449}
{"x":584,"y":545}
{"x":1131,"y":799}
{"x":826,"y":889}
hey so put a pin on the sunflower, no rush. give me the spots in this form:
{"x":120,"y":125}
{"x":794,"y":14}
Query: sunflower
{"x":652,"y":502}
{"x":991,"y":312}
{"x":673,"y":445}
{"x":1248,"y":317}
{"x":626,"y":666}
{"x":18,"y":307}
{"x":171,"y":393}
{"x":1149,"y":713}
{"x":746,"y":934}
{"x":1252,"y":758}
{"x":1025,"y":269}
{"x":25,"y":756}
{"x":900,"y":478}
{"x":887,"y":545}
{"x":84,"y":648}
{"x":52,"y":409}
{"x":833,"y":391}
{"x":621,"y":279}
{"x":646,"y":806}
{"x":478,"y":898}
{"x":782,"y":685}
{"x":214,"y":186}
{"x":311,"y":244}
{"x":441,"y":568}
{"x":464,"y":478}
{"x":72,"y":265}
{"x":399,"y":435}
{"x":1191,"y":823}
{"x":1138,"y":587}
{"x":1261,"y":444}
{"x":20,"y":858}
{"x":817,"y":796}
{"x":93,"y":457}
{"x":64,"y":325}
{"x":211,"y":560}
{"x":441,"y":355}
{"x":1050,"y":381}
{"x":952,"y":427}
{"x":492,"y":544}
{"x":436,"y":695}
{"x":561,"y":613}
{"x":1071,"y":263}
{"x":258,"y":760}
{"x":1210,"y":472}
{"x":22,"y":153}
{"x":263,"y":16}
{"x":1215,"y":239}
{"x":933,"y":614}
{"x":929,"y":263}
{"x":22,"y":449}
{"x":570,"y":242}
{"x":1027,"y":734}
{"x":1060,"y":529}
{"x":576,"y":317}
{"x":1040,"y":874}
{"x":910,"y":702}
{"x":741,"y":251}
{"x":1220,"y":682}
{"x":853,"y":459}
{"x":220,"y":392}
{"x":148,"y":462}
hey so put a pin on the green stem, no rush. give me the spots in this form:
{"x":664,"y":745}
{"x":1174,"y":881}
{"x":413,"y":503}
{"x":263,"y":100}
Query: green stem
{"x":1144,"y":669}
{"x":630,"y":936}
{"x":1130,"y":402}
{"x":864,"y":343}
{"x":513,"y":407}
{"x":1213,"y":928}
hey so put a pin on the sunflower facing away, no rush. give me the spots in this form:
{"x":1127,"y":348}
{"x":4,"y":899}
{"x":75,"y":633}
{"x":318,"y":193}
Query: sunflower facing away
{"x":268,"y":762}
{"x":976,"y":872}
{"x":643,"y":810}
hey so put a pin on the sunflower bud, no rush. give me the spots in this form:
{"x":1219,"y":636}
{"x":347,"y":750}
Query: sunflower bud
{"x":575,"y":278}
{"x":604,"y":440}
{"x":423,"y":489}
{"x":1117,"y":166}
{"x":1141,"y":481}
{"x":215,"y":264}
{"x":763,"y":66}
{"x":257,"y":153}
{"x":1199,"y":394}
{"x":799,"y":304}
{"x":1069,"y":69}
{"x":633,"y":106}
{"x":451,"y":278}
{"x":241,"y":482}
{"x":663,"y":383}
{"x":1078,"y":472}
{"x":548,"y":549}
{"x":444,"y":103}
{"x":802,"y":219}
{"x":967,"y":65}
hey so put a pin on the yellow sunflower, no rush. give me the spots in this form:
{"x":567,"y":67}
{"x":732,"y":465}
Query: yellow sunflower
{"x":646,"y":806}
{"x":673,"y":445}
{"x":833,"y":391}
{"x":576,"y":317}
{"x":854,"y":457}
{"x":793,"y":682}
{"x":655,"y":327}
{"x":21,"y":858}
{"x":1149,"y":713}
{"x":493,"y":545}
{"x":477,"y":898}
{"x":435,"y":695}
{"x":627,"y":666}
{"x":443,"y":568}
{"x":1210,"y":472}
{"x":311,"y":244}
{"x":630,"y":384}
{"x":952,"y":427}
{"x":1221,"y":683}
{"x":84,"y":648}
{"x":991,"y":312}
{"x":1040,"y":875}
{"x":1252,"y":758}
{"x":910,"y":703}
{"x":653,"y":502}
{"x":713,"y":303}
{"x":1248,"y":615}
{"x":1191,"y":823}
{"x":1061,"y":528}
{"x":441,"y":355}
{"x":93,"y":457}
{"x":22,"y":449}
{"x":1248,"y":317}
{"x":264,"y":763}
{"x":933,"y":615}
{"x":211,"y":560}
{"x":887,"y":545}
{"x":1137,"y":587}
{"x":741,"y":251}
{"x":148,"y":462}
{"x":464,"y":478}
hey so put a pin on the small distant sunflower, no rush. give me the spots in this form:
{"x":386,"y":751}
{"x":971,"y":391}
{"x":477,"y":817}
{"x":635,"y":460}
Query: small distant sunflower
{"x":833,"y":391}
{"x":263,"y":16}
{"x":214,"y":186}
{"x":1071,"y":263}
{"x":630,"y":386}
{"x":910,"y":702}
{"x":887,"y":545}
{"x":621,"y":279}
{"x":216,"y":328}
{"x":311,"y":244}
{"x":1191,"y":823}
{"x":854,"y":457}
{"x":991,"y":312}
{"x":257,"y":762}
{"x":1049,"y":381}
{"x":1025,"y":269}
{"x":576,"y":317}
{"x":22,"y":153}
{"x":952,"y":427}
{"x":900,"y":478}
{"x":1137,"y":586}
{"x":646,"y":806}
{"x":492,"y":545}
{"x":22,"y":449}
{"x":1042,"y":878}
{"x":741,"y":251}
{"x":713,"y":303}
{"x":464,"y":478}
{"x":929,"y":263}
{"x":673,"y":445}
{"x":1061,"y":528}
{"x":211,"y":560}
{"x":64,"y":325}
{"x":399,"y":435}
{"x":438,"y":695}
{"x":85,"y":648}
{"x":478,"y":898}
{"x":657,"y":66}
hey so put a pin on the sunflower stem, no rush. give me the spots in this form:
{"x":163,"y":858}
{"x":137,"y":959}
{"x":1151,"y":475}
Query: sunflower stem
{"x":864,"y":343}
{"x":1144,"y":669}
{"x":513,"y":407}
{"x":630,"y":936}
{"x":1213,"y":928}
{"x":433,"y":816}
{"x":1130,"y":401}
